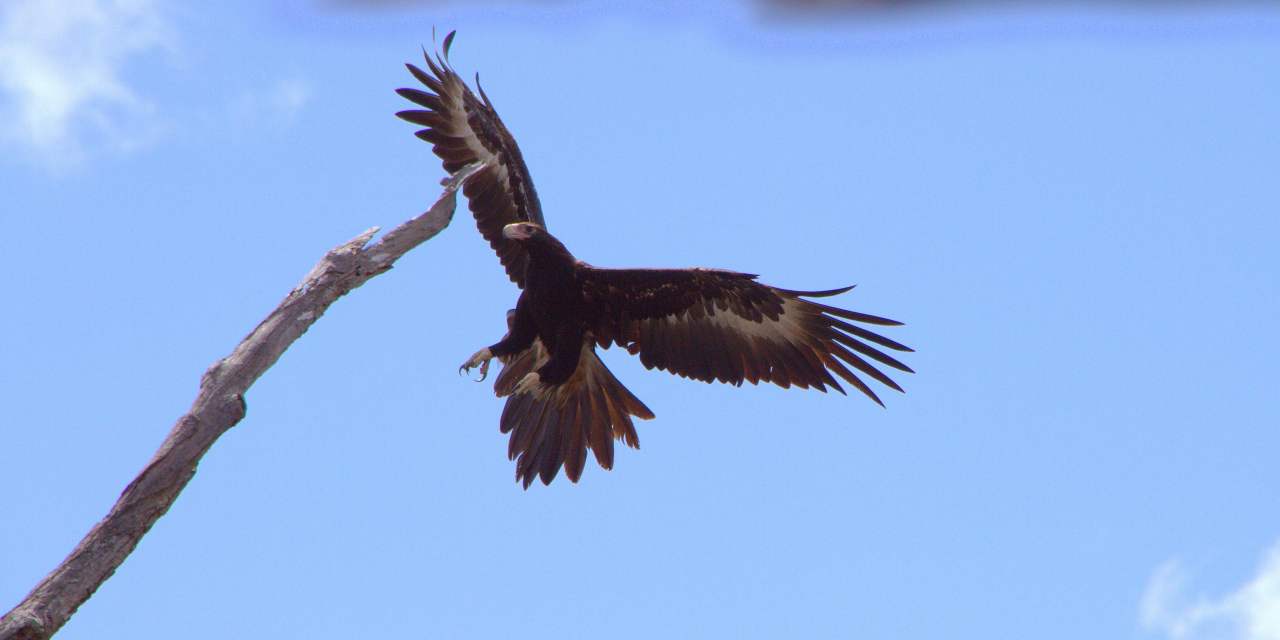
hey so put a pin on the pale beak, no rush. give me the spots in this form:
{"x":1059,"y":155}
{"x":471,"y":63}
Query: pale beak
{"x":515,"y":231}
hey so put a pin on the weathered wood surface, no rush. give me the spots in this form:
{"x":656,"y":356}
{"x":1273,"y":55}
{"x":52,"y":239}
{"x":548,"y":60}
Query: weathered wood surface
{"x":219,"y":405}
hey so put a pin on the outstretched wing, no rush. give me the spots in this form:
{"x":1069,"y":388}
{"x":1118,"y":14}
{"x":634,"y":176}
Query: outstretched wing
{"x":554,"y":426}
{"x":722,"y":325}
{"x":464,"y":129}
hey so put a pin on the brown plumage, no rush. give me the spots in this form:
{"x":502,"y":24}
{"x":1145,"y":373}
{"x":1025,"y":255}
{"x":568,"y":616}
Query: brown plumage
{"x":715,"y":325}
{"x":542,"y":435}
{"x":463,"y":130}
{"x":705,"y":324}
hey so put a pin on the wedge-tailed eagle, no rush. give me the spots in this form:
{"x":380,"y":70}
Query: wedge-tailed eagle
{"x":705,"y":324}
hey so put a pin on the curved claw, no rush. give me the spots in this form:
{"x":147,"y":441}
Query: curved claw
{"x":478,"y":359}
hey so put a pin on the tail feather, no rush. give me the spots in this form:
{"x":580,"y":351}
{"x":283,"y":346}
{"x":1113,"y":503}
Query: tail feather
{"x":599,"y":432}
{"x":554,"y":427}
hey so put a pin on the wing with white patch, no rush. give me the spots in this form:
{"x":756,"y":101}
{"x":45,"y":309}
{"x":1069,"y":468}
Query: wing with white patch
{"x":722,"y":325}
{"x":464,"y":129}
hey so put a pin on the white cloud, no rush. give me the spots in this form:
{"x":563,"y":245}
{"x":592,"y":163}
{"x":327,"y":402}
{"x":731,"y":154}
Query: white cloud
{"x":1251,"y":612}
{"x":60,"y":74}
{"x":277,"y":104}
{"x":289,"y":96}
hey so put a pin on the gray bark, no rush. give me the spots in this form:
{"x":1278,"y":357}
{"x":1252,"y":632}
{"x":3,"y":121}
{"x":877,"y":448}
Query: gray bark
{"x":219,"y":405}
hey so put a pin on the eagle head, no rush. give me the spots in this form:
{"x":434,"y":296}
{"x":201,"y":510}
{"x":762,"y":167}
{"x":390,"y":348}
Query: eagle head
{"x":521,"y":231}
{"x":541,"y":247}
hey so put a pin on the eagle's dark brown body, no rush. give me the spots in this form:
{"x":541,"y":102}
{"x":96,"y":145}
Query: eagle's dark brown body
{"x":705,"y":324}
{"x":552,"y":309}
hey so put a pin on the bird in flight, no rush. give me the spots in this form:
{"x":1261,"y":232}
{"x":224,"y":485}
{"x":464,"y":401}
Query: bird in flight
{"x":704,"y":324}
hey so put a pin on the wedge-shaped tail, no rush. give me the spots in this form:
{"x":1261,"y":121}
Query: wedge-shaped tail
{"x":554,"y":426}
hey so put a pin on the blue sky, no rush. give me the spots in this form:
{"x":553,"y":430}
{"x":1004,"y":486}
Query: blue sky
{"x":1075,"y":209}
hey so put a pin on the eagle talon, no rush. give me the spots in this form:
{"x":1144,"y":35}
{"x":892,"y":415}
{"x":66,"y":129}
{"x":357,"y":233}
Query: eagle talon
{"x":478,"y":359}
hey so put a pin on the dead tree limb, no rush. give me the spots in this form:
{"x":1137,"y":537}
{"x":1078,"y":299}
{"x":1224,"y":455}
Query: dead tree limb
{"x":219,"y":405}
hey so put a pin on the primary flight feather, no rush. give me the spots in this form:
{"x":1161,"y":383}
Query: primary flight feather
{"x":705,"y":324}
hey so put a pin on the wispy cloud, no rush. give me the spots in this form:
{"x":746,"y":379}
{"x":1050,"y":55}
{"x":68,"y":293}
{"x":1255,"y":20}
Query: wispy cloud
{"x":1251,"y":612}
{"x":277,"y":104}
{"x":61,"y":89}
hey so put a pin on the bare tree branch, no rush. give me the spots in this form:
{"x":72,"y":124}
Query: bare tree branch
{"x":219,"y":405}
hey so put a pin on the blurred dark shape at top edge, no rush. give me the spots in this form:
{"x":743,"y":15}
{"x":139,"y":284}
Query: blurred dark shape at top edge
{"x":826,"y":7}
{"x":807,"y":11}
